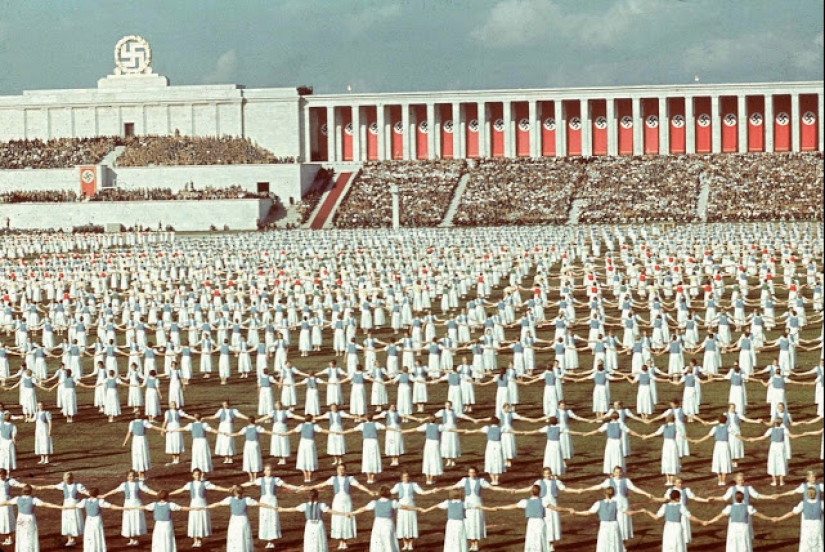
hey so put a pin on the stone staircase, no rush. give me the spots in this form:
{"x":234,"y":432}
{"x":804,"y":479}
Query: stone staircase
{"x":447,"y":221}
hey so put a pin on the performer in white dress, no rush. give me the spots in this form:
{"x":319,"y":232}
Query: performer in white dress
{"x":71,"y":524}
{"x":269,"y":522}
{"x":201,"y":453}
{"x":163,"y":533}
{"x":199,"y":525}
{"x":383,"y":537}
{"x":26,"y":535}
{"x":343,"y":526}
{"x":407,"y":522}
{"x":94,"y":537}
{"x":239,"y":532}
{"x":225,"y":445}
{"x":455,"y":534}
{"x":739,"y":514}
{"x":535,"y":536}
{"x":609,"y":537}
{"x":810,"y":510}
{"x":134,"y":521}
{"x":673,"y":536}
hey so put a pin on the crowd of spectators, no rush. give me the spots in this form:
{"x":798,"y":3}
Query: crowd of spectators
{"x":307,"y":204}
{"x":60,"y":153}
{"x":518,"y":191}
{"x":425,"y":189}
{"x":142,"y":151}
{"x":41,"y":196}
{"x":131,"y":194}
{"x":765,"y":186}
{"x":167,"y":194}
{"x":619,"y":190}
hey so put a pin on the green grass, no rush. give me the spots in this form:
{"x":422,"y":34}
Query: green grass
{"x":91,"y":448}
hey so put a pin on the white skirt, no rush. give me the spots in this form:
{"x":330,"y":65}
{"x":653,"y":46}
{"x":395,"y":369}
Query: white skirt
{"x":393,"y":444}
{"x":199,"y":524}
{"x":721,"y":462}
{"x":140,"y":454}
{"x":27,"y":535}
{"x":673,"y":538}
{"x":279,"y":445}
{"x":71,"y":521}
{"x":670,"y":457}
{"x":455,"y":536}
{"x":739,"y":538}
{"x":94,"y":539}
{"x":252,"y":462}
{"x":535,"y":537}
{"x":239,"y":535}
{"x":269,"y":522}
{"x":163,"y":537}
{"x":371,"y":456}
{"x":777,"y":462}
{"x":133,"y":521}
{"x":201,"y":455}
{"x":431,"y":459}
{"x":494,"y":458}
{"x":307,"y":457}
{"x":315,"y":537}
{"x":383,"y":537}
{"x":407,"y":524}
{"x":609,"y":537}
{"x":343,"y":527}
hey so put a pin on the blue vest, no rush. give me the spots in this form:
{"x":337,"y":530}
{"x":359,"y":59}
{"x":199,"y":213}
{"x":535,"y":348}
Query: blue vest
{"x":138,"y":429}
{"x":739,"y":513}
{"x":811,"y":510}
{"x":162,"y":512}
{"x":92,"y":507}
{"x":721,"y":433}
{"x":494,"y":434}
{"x":127,"y":494}
{"x":338,"y":487}
{"x":608,"y":511}
{"x":251,"y":433}
{"x":369,"y":431}
{"x":198,"y":432}
{"x":312,"y":511}
{"x":25,"y":505}
{"x":534,"y":509}
{"x":197,"y":489}
{"x":237,"y":506}
{"x":673,"y":512}
{"x":383,"y":509}
{"x":455,"y":510}
{"x":554,"y":433}
{"x":614,"y":430}
{"x":777,"y":435}
{"x":433,"y":433}
{"x":307,"y":431}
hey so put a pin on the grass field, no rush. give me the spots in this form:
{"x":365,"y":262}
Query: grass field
{"x":91,"y":448}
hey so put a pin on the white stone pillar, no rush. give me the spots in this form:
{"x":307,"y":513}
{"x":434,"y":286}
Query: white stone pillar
{"x":612,"y":147}
{"x":664,"y":127}
{"x":638,"y":126}
{"x":381,"y":121}
{"x":432,"y":128}
{"x":742,"y":123}
{"x":332,"y":135}
{"x":509,"y":134}
{"x":819,"y":117}
{"x":483,"y":131}
{"x":561,"y":128}
{"x":716,"y":122}
{"x":587,"y":144}
{"x":767,"y":120}
{"x":396,"y":207}
{"x":458,"y":132}
{"x":535,"y":127}
{"x":795,"y":146}
{"x":690,"y":127}
{"x":306,"y":152}
{"x":357,"y":135}
{"x":405,"y":122}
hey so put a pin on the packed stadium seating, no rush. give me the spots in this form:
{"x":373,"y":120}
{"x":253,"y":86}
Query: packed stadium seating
{"x":55,"y":154}
{"x":185,"y":150}
{"x":518,"y":191}
{"x":639,"y":189}
{"x":425,"y":190}
{"x":765,"y":186}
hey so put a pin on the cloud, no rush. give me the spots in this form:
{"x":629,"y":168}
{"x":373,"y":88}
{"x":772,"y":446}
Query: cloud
{"x":776,"y":51}
{"x":513,"y":23}
{"x":358,"y":21}
{"x":225,"y":69}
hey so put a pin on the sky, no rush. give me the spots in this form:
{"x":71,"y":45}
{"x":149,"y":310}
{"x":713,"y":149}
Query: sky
{"x":415,"y":45}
